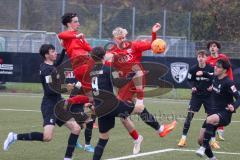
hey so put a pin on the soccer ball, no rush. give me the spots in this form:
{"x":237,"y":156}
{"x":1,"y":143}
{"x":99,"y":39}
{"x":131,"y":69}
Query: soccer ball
{"x":158,"y":46}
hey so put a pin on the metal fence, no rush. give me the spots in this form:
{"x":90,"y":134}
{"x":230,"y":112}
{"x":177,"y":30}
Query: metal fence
{"x":26,"y":24}
{"x":30,"y":41}
{"x":97,"y":21}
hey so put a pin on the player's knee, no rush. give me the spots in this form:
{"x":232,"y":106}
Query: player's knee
{"x":139,"y":108}
{"x":47,"y":137}
{"x":104,"y":135}
{"x":75,"y":129}
{"x":138,"y":74}
{"x":210,"y":120}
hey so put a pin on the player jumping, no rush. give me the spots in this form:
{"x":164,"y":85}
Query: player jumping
{"x":77,"y":50}
{"x":102,"y":89}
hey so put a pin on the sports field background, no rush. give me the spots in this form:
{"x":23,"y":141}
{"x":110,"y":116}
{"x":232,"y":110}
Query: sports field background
{"x":19,"y":112}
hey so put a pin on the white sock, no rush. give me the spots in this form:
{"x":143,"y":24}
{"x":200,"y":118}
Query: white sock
{"x":15,"y":137}
{"x":136,"y":139}
{"x":184,"y":137}
{"x":202,"y":148}
{"x":161,"y":128}
{"x":67,"y":158}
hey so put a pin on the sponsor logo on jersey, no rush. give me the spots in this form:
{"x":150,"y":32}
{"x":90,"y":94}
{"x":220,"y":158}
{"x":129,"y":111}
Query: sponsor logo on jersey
{"x":202,"y":79}
{"x":125,"y":58}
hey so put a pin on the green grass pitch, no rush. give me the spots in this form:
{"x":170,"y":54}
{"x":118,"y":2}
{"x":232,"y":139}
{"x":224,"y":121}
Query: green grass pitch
{"x":120,"y":143}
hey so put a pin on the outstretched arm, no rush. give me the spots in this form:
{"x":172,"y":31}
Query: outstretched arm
{"x":146,"y":45}
{"x":70,"y":35}
{"x":155,"y":28}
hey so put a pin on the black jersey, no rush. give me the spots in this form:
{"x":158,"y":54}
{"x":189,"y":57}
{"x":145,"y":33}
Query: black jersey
{"x":46,"y":77}
{"x":102,"y":89}
{"x":200,"y":82}
{"x":224,"y":92}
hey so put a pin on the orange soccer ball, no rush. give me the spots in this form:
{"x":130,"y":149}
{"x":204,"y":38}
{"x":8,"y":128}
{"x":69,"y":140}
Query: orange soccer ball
{"x":159,"y":46}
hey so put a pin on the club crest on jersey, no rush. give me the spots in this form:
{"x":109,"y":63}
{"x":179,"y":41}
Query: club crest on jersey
{"x":179,"y":71}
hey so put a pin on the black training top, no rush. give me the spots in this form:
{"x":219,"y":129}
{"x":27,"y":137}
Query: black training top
{"x":200,"y":82}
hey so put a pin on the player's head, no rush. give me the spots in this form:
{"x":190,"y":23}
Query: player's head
{"x":202,"y":56}
{"x":70,"y":20}
{"x":47,"y":51}
{"x":119,"y":34}
{"x":222,"y":66}
{"x":98,"y":54}
{"x":213,"y":47}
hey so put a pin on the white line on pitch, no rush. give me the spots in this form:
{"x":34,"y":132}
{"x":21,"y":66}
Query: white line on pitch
{"x":166,"y":150}
{"x":196,"y":119}
{"x":190,"y":150}
{"x":156,"y":100}
{"x":21,"y":94}
{"x":18,"y":110}
{"x":143,"y":154}
{"x":40,"y":95}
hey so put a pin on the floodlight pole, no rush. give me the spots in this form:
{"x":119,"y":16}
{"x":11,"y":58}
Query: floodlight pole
{"x":19,"y":21}
{"x":63,"y":11}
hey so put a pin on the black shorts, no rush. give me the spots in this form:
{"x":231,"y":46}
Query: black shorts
{"x":47,"y":109}
{"x":107,"y":122}
{"x":225,"y":118}
{"x":75,"y":110}
{"x":197,"y":101}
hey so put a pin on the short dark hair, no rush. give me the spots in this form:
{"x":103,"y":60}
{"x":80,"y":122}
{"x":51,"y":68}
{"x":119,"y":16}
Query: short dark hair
{"x":98,"y":53}
{"x":44,"y":49}
{"x":202,"y":53}
{"x":67,"y":18}
{"x":224,"y":62}
{"x":214,"y":42}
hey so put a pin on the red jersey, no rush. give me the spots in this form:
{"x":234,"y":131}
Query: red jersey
{"x":124,"y":59}
{"x":77,"y":48}
{"x":77,"y":51}
{"x":212,"y":61}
